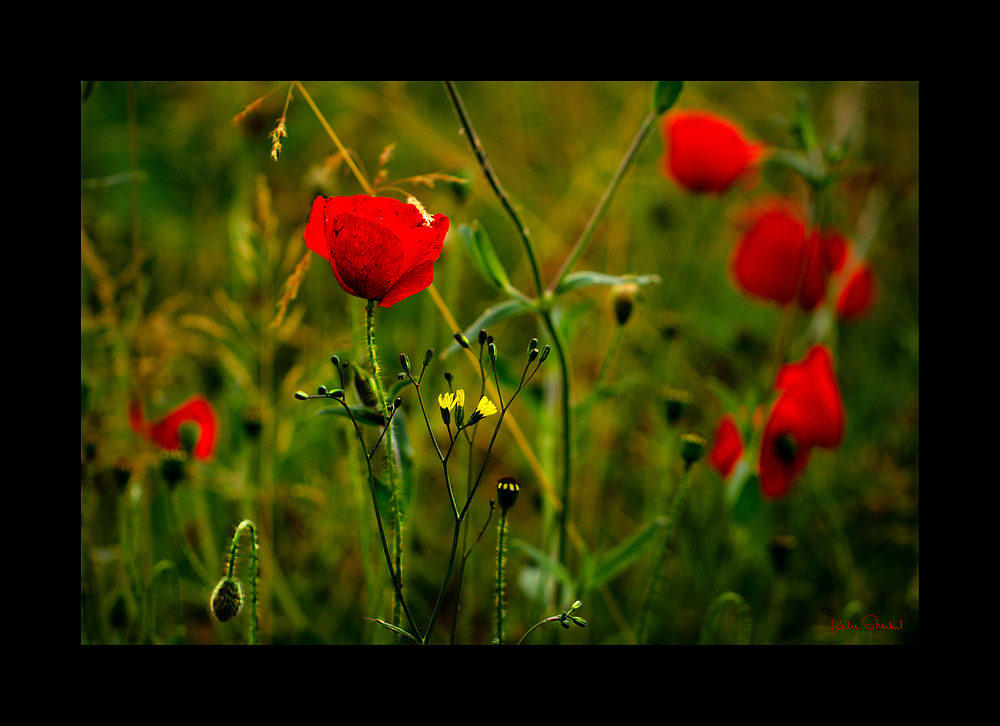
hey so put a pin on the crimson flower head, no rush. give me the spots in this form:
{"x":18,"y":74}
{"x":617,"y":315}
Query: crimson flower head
{"x":728,"y":446}
{"x":858,"y":294}
{"x":706,"y":153}
{"x":808,"y":412}
{"x":777,"y":259}
{"x":379,"y":248}
{"x":166,"y":432}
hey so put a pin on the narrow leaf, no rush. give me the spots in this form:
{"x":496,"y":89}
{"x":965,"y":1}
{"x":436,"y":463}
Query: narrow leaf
{"x":616,"y":560}
{"x":576,"y":280}
{"x":491,"y":316}
{"x":665,"y":94}
{"x":545,"y":562}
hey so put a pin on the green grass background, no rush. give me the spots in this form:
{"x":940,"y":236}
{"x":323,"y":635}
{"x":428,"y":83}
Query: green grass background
{"x":182,"y":268}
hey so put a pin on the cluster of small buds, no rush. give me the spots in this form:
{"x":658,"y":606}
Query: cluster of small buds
{"x":567,"y":616}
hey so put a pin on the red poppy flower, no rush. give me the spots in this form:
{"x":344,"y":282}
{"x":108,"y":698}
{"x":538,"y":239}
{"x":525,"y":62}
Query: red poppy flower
{"x":858,"y":294}
{"x":166,"y":432}
{"x":728,"y":446}
{"x":775,"y":253}
{"x":706,"y":153}
{"x":379,"y":248}
{"x":809,"y":412}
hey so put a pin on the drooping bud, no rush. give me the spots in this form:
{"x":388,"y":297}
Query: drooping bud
{"x":227,"y":599}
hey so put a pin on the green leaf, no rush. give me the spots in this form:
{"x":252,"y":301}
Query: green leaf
{"x":616,"y":560}
{"x":484,"y":257}
{"x":393,"y":628}
{"x":576,"y":280}
{"x":545,"y":562}
{"x":665,"y":94}
{"x":490,"y":316}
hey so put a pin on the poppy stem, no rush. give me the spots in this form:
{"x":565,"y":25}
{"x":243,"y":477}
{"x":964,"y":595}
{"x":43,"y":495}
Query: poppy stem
{"x":247,"y":524}
{"x":491,"y":177}
{"x":653,"y":590}
{"x":602,"y":206}
{"x":501,"y":562}
{"x":390,"y":462}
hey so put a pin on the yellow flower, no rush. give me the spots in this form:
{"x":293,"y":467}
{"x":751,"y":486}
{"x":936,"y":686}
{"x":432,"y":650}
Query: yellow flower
{"x":485,"y":408}
{"x":446,"y":401}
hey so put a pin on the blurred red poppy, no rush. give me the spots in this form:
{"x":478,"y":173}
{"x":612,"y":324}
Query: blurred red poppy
{"x":379,"y":248}
{"x":858,"y":294}
{"x":166,"y":432}
{"x":706,"y":153}
{"x":728,"y":446}
{"x":777,"y":260}
{"x":809,"y":412}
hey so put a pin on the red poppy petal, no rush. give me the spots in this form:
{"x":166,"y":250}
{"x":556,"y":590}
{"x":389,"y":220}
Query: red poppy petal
{"x":420,"y":275}
{"x":776,"y":472}
{"x":810,"y":402}
{"x":705,"y":152}
{"x":366,"y":257}
{"x":167,"y":431}
{"x":858,"y":295}
{"x":315,"y":232}
{"x":728,"y":446}
{"x":768,"y":258}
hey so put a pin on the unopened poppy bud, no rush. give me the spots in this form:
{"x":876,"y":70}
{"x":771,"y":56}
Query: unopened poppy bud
{"x":122,"y":471}
{"x":428,"y":355}
{"x":692,"y":447}
{"x":404,"y":362}
{"x":366,"y":390}
{"x":462,"y":340}
{"x":301,"y":395}
{"x":172,"y":467}
{"x":482,"y":337}
{"x":624,"y":297}
{"x":507,"y":491}
{"x":227,"y":599}
{"x":676,"y":403}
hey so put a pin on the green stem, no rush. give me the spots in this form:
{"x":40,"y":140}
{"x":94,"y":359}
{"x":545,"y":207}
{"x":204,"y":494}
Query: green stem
{"x":390,"y":464}
{"x":653,"y":591}
{"x":715,"y":609}
{"x":246,"y":524}
{"x":567,"y":431}
{"x":491,"y":177}
{"x":501,"y":561}
{"x":602,"y":206}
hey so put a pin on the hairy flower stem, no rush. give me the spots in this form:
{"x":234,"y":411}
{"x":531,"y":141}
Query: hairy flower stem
{"x":501,"y":565}
{"x":491,"y":177}
{"x":653,"y":591}
{"x":390,"y":464}
{"x":246,"y":524}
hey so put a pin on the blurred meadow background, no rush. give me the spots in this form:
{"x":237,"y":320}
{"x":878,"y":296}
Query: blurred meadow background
{"x":195,"y":280}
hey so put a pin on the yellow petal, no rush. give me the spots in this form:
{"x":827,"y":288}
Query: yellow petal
{"x":486,"y":407}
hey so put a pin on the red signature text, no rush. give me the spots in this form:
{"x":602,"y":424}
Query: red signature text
{"x":868,"y":622}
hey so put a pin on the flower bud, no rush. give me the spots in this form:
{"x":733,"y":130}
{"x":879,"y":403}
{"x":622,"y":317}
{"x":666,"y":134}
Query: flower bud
{"x":624,"y":297}
{"x":227,"y":599}
{"x":493,"y":351}
{"x":507,"y":491}
{"x":692,"y":447}
{"x":404,"y":362}
{"x":336,"y":362}
{"x":428,"y":355}
{"x":301,"y":395}
{"x":482,"y":337}
{"x":532,"y":354}
{"x":365,"y":388}
{"x":462,"y":340}
{"x":397,"y":403}
{"x":321,"y":391}
{"x":532,"y":345}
